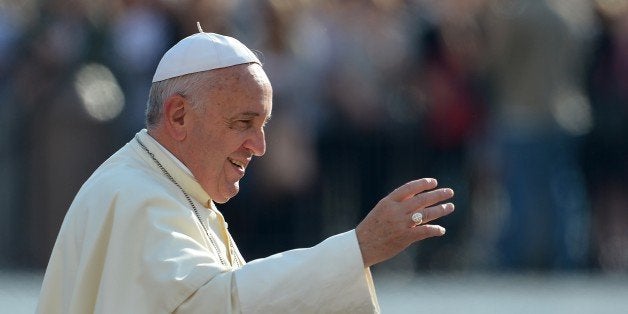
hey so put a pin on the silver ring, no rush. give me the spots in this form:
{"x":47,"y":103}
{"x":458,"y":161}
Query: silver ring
{"x":417,"y":218}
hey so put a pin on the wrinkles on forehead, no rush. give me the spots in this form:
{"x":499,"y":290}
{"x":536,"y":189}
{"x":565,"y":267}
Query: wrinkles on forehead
{"x":240,"y":80}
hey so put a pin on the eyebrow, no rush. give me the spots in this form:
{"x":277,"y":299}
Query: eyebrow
{"x":251,"y":114}
{"x":248,"y":114}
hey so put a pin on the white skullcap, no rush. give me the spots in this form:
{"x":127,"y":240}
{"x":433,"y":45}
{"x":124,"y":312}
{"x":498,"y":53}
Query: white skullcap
{"x":202,"y":52}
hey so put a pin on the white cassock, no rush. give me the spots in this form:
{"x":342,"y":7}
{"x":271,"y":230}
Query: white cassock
{"x":131,"y":243}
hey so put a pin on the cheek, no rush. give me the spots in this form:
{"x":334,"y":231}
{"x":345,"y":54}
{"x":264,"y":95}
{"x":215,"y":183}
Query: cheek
{"x":212,"y":151}
{"x":232,"y":143}
{"x":213,"y":156}
{"x":204,"y":150}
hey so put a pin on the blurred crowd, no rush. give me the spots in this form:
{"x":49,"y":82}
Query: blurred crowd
{"x":520,"y":106}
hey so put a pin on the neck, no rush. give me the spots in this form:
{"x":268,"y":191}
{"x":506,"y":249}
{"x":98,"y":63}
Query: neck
{"x":167,"y":142}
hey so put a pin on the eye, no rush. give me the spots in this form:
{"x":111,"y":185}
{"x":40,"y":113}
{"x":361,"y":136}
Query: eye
{"x":241,"y":124}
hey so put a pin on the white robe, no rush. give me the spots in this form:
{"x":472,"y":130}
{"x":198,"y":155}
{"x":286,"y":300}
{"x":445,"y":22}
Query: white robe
{"x":131,"y":243}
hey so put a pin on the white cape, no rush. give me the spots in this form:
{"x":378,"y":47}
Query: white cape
{"x":130,"y":243}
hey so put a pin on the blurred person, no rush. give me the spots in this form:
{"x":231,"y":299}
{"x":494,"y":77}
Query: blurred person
{"x":13,"y":23}
{"x":364,"y":118}
{"x":56,"y":132}
{"x":535,"y":55}
{"x":606,"y":149}
{"x":143,"y":234}
{"x":139,"y":33}
{"x":444,"y":87}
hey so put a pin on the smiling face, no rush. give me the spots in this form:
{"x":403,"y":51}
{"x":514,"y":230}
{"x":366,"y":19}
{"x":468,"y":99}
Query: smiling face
{"x":227,"y":129}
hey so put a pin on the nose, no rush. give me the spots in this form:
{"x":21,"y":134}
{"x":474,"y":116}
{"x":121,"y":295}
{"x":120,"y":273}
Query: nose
{"x":256,"y":143}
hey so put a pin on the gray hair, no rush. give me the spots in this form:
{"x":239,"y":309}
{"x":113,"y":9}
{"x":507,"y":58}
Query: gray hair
{"x":190,"y":86}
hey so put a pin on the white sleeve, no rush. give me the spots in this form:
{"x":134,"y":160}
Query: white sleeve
{"x":327,"y":278}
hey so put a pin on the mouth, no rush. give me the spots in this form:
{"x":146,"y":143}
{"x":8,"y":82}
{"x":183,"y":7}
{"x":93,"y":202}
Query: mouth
{"x":240,"y":165}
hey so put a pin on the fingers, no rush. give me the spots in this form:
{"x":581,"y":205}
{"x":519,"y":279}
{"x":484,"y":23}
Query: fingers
{"x":411,"y":188}
{"x":427,"y":199}
{"x":434,"y":212}
{"x":389,"y":228}
{"x":427,"y":231}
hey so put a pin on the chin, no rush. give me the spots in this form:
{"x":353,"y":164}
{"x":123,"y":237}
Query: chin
{"x":220,"y":201}
{"x":225,"y":197}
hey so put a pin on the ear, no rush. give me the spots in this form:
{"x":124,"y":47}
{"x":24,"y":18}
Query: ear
{"x":176,"y":118}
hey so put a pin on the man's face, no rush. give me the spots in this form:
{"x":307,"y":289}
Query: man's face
{"x":227,"y":129}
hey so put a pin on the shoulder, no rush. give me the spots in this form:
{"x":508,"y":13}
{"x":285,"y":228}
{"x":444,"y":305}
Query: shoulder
{"x":125,"y":177}
{"x":126,"y":194}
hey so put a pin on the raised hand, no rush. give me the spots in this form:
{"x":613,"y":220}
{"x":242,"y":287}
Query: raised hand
{"x":389,"y":228}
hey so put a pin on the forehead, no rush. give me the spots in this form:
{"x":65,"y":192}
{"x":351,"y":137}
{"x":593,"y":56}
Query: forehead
{"x":242,"y":87}
{"x":239,"y":78}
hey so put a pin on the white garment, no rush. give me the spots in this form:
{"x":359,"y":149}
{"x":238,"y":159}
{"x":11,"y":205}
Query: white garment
{"x":130,"y":243}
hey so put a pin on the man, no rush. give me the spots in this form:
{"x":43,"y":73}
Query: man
{"x":143,"y":234}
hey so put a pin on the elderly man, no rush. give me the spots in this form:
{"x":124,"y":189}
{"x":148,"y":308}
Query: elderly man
{"x":143,"y":234}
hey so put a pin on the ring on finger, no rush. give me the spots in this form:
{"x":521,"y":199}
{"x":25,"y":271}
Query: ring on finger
{"x":417,"y":218}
